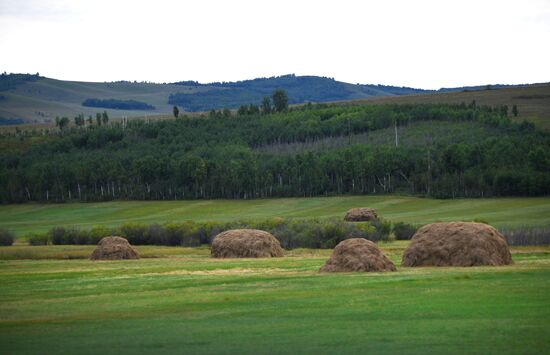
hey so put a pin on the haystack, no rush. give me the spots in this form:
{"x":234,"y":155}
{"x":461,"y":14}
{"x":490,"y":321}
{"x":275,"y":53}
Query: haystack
{"x":246,"y":243}
{"x":357,"y":254}
{"x":361,"y":215}
{"x":457,"y":244}
{"x":114,"y":248}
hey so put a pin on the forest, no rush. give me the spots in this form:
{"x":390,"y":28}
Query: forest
{"x":118,"y":104}
{"x":244,"y":156}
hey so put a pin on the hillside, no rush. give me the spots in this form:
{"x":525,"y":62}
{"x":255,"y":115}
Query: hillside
{"x":314,"y":150}
{"x":42,"y":99}
{"x":533,"y":101}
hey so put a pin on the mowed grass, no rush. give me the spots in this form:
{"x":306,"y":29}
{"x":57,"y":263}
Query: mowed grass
{"x":25,"y":218}
{"x":186,"y":302}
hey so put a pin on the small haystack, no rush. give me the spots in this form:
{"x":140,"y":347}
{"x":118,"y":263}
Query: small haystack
{"x":357,"y":254}
{"x":362,"y":214}
{"x":114,"y":248}
{"x":246,"y":243}
{"x":457,"y":244}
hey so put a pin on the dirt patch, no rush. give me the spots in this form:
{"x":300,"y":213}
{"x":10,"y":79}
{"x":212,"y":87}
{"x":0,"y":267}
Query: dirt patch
{"x":457,"y":244}
{"x":362,"y":214}
{"x":114,"y":248}
{"x":357,"y":254}
{"x":246,"y":243}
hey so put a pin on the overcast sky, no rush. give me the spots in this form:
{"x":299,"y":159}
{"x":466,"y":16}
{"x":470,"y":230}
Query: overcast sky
{"x":426,"y":44}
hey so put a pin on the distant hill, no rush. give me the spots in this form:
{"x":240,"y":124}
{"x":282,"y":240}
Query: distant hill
{"x":31,"y":98}
{"x":532,"y":101}
{"x":300,"y":89}
{"x":38,"y":99}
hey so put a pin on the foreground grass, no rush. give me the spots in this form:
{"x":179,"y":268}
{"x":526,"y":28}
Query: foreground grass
{"x":27,"y":218}
{"x":186,"y":302}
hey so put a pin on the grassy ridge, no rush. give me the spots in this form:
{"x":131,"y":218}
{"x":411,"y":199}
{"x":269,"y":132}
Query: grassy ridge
{"x":194,"y":304}
{"x":533,"y":101}
{"x":27,"y":218}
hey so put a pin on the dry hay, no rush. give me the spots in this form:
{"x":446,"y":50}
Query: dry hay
{"x":246,"y":243}
{"x":114,"y":248}
{"x":457,"y":244}
{"x":357,"y":254}
{"x":361,"y":215}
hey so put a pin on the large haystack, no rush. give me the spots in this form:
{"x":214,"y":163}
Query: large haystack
{"x":357,"y":254}
{"x":362,"y":214}
{"x":246,"y":243}
{"x":114,"y":248}
{"x":457,"y":244}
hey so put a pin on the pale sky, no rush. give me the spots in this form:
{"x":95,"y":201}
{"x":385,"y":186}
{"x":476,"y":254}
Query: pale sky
{"x":424,"y":43}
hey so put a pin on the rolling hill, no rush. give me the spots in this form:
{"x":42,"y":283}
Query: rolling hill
{"x":532,"y":101}
{"x":42,"y":99}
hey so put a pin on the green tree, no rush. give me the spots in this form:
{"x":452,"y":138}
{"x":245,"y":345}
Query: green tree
{"x":515,"y":110}
{"x":253,"y":109}
{"x":243,"y":110}
{"x":280,"y":100}
{"x":266,"y":105}
{"x":62,"y":123}
{"x":79,"y":120}
{"x":176,"y":111}
{"x":98,"y":118}
{"x":104,"y":117}
{"x":90,"y":120}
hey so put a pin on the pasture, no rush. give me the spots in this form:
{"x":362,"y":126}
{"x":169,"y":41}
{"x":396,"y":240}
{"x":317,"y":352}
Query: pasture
{"x":186,"y":302}
{"x":32,"y":217}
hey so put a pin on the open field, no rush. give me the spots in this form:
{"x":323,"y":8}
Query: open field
{"x":189,"y":303}
{"x":33,"y":217}
{"x":533,"y":101}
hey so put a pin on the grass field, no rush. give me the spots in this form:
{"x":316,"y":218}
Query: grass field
{"x":25,"y":218}
{"x":186,"y":302}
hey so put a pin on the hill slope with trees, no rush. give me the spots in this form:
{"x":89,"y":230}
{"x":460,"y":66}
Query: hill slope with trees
{"x":243,"y":156}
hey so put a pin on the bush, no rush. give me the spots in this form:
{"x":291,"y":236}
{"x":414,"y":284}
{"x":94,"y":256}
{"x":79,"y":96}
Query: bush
{"x":57,"y":235}
{"x":38,"y":239}
{"x":6,"y":237}
{"x":404,"y":231}
{"x":527,"y":235}
{"x":97,"y":233}
{"x":292,"y":233}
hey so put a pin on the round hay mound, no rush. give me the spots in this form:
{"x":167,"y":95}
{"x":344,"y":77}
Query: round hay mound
{"x":246,"y":243}
{"x":114,"y":248}
{"x":457,"y":244}
{"x":361,"y":215}
{"x":357,"y":254}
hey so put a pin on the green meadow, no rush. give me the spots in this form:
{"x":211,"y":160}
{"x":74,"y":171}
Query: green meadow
{"x":25,"y":218}
{"x":185,"y":302}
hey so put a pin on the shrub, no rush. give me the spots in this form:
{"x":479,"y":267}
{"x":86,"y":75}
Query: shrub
{"x":403,"y":231}
{"x":6,"y":237}
{"x":38,"y":239}
{"x":135,"y":233}
{"x":292,"y":233}
{"x":527,"y":235}
{"x":57,"y":236}
{"x":97,"y":233}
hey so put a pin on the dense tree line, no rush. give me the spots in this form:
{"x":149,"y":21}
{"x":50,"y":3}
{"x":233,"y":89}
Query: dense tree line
{"x":217,"y":157}
{"x":118,"y":104}
{"x":10,"y":81}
